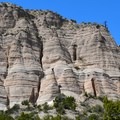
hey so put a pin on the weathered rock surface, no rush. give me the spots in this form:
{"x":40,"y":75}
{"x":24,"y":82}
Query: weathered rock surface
{"x":42,"y":55}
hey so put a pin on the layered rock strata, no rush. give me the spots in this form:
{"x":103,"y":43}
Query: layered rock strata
{"x":43,"y":55}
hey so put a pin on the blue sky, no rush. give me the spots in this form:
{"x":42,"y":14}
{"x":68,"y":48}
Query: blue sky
{"x":81,"y":10}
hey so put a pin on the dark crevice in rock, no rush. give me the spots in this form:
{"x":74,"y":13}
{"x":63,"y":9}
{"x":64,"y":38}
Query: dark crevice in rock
{"x":39,"y":84}
{"x":93,"y":86}
{"x":8,"y":99}
{"x":38,"y":87}
{"x":54,"y":74}
{"x":8,"y":102}
{"x":41,"y":55}
{"x":7,"y":63}
{"x":40,"y":44}
{"x":59,"y":86}
{"x":74,"y":52}
{"x":33,"y":97}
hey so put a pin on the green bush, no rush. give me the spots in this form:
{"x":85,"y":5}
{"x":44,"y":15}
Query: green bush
{"x":39,"y":107}
{"x":4,"y":116}
{"x":26,"y":103}
{"x":15,"y":108}
{"x":62,"y":102}
{"x":45,"y":107}
{"x":58,"y":117}
{"x":69,"y":103}
{"x":26,"y":116}
{"x":58,"y":104}
{"x":60,"y":109}
{"x":111,"y":109}
{"x":93,"y":117}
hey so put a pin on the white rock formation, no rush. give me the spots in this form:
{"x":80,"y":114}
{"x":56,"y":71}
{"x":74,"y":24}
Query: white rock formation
{"x":43,"y":55}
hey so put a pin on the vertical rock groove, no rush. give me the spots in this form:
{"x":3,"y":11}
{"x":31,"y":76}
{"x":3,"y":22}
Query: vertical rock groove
{"x":74,"y":52}
{"x":93,"y":86}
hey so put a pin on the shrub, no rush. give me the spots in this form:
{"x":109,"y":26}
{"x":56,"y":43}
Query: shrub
{"x":69,"y":103}
{"x":26,"y":116}
{"x":26,"y":103}
{"x":15,"y":108}
{"x":4,"y":116}
{"x":58,"y":104}
{"x":82,"y":117}
{"x":111,"y":109}
{"x":58,"y":117}
{"x":39,"y":107}
{"x":60,"y":109}
{"x":93,"y":117}
{"x":62,"y":102}
{"x":45,"y":107}
{"x":37,"y":117}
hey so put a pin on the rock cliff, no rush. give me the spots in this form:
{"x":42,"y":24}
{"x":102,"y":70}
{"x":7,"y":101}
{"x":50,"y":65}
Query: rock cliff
{"x":42,"y":55}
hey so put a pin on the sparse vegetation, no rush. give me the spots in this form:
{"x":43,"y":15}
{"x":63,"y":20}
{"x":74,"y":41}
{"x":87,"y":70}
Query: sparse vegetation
{"x":39,"y":107}
{"x":5,"y":116}
{"x":109,"y":111}
{"x":93,"y":117}
{"x":45,"y":107}
{"x":14,"y":109}
{"x":28,"y":116}
{"x":26,"y":103}
{"x":58,"y":117}
{"x":63,"y":102}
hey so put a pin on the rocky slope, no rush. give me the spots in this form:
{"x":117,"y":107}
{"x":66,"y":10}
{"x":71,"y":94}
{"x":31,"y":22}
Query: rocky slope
{"x":42,"y":55}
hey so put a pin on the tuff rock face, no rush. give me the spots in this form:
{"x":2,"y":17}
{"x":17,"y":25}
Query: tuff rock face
{"x":42,"y":55}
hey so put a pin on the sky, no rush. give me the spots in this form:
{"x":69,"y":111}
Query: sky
{"x":97,"y":11}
